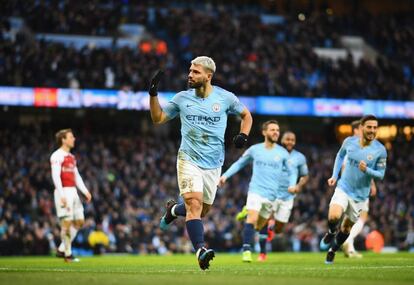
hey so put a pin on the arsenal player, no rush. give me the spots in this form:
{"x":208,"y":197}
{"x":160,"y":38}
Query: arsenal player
{"x":66,"y":179}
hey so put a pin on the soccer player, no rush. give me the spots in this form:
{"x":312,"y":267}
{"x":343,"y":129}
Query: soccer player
{"x":66,"y":179}
{"x":203,"y":111}
{"x":348,"y":246}
{"x":268,"y":159}
{"x":366,"y":160}
{"x":283,"y":204}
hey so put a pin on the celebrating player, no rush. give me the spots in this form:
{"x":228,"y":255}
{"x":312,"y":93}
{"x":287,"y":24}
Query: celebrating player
{"x":203,"y":112}
{"x":268,"y":159}
{"x":366,"y":160}
{"x":348,"y":246}
{"x":284,"y":202}
{"x":66,"y":179}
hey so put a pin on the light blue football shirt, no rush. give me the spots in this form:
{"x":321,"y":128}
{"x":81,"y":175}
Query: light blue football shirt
{"x":203,"y":123}
{"x":267,"y":169}
{"x":299,"y":167}
{"x":355,"y":183}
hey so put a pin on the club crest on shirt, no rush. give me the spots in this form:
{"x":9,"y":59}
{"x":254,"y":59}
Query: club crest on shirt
{"x":216,"y":107}
{"x":277,"y":158}
{"x":370,"y":157}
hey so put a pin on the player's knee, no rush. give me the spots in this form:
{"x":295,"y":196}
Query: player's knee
{"x":194,"y":205}
{"x":335,"y":213}
{"x":334,"y":217}
{"x":347,"y":226}
{"x":346,"y":229}
{"x":65,"y":229}
{"x":258,"y":227}
{"x":363,"y":216}
{"x":279,"y":228}
{"x":205,"y":211}
{"x":78,"y":224}
{"x":252,"y":220}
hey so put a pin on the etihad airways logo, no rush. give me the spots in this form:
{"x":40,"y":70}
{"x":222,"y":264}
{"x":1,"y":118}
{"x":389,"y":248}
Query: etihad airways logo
{"x":198,"y":119}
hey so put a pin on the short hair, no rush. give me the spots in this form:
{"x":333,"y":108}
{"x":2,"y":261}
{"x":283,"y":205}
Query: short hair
{"x":206,"y":62}
{"x":288,"y":133}
{"x":61,"y":134}
{"x":355,"y":124}
{"x":368,"y":118}
{"x":267,"y":123}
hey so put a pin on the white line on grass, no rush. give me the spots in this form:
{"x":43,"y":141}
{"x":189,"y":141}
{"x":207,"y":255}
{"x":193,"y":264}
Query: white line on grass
{"x":216,"y":269}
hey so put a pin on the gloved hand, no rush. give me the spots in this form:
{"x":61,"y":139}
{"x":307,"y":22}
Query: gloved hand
{"x":240,"y":140}
{"x":153,"y":89}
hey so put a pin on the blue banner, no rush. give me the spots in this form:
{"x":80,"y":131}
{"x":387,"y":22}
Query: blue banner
{"x":262,"y":105}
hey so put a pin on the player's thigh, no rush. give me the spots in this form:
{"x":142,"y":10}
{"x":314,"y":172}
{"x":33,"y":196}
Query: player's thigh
{"x":347,"y":224}
{"x":189,"y":177}
{"x":67,"y":212}
{"x":259,"y":204}
{"x":278,"y":227}
{"x":364,"y":211}
{"x":354,"y":210}
{"x":210,"y":181}
{"x":65,"y":224}
{"x":363,"y":216}
{"x":339,"y":204}
{"x":283,"y":210}
{"x":252,"y":217}
{"x":78,"y":224}
{"x":60,"y":211}
{"x":78,"y":209}
{"x":205,"y":210}
{"x":261,"y":222}
{"x":255,"y":201}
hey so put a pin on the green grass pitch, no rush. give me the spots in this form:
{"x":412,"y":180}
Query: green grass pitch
{"x":280,"y":268}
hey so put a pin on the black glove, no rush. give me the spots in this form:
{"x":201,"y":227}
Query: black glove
{"x":240,"y":140}
{"x":153,"y":89}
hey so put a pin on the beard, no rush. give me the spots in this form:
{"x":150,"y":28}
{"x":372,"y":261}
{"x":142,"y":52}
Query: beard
{"x":288,"y":147}
{"x":195,"y":85}
{"x":272,"y":140}
{"x":369,"y":137}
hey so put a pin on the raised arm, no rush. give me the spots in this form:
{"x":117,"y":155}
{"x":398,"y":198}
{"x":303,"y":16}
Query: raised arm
{"x":158,"y":116}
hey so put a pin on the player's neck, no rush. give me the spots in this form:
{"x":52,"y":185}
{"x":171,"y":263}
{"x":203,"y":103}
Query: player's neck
{"x":204,"y":91}
{"x":363,"y":142}
{"x":65,"y":148}
{"x":269,"y":145}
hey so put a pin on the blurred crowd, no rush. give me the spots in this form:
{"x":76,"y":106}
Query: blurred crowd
{"x":131,"y":175}
{"x":254,"y":57}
